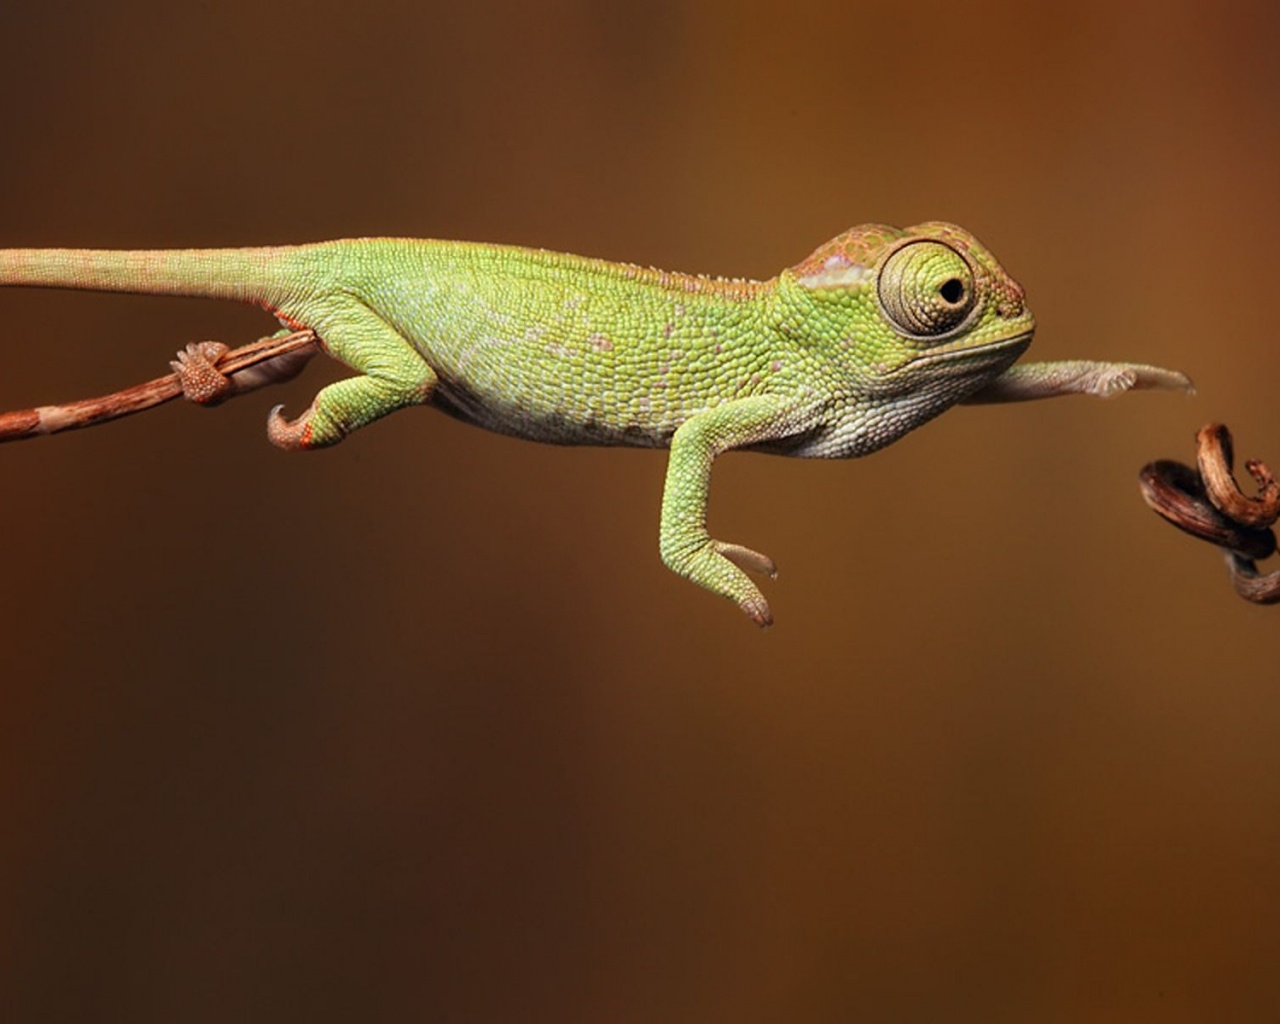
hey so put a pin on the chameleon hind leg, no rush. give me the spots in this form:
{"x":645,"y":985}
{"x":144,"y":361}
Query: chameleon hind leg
{"x":392,"y":375}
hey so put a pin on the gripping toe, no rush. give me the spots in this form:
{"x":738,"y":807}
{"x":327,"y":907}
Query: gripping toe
{"x":202,"y":382}
{"x":291,"y":435}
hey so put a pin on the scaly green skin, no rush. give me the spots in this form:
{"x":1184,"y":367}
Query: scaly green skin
{"x":875,"y":333}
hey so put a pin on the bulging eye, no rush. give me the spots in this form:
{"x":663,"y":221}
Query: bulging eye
{"x":926,"y":289}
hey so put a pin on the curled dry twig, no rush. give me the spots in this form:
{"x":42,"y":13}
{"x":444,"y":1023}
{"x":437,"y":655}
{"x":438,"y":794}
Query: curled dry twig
{"x":1208,"y":503}
{"x":52,"y":419}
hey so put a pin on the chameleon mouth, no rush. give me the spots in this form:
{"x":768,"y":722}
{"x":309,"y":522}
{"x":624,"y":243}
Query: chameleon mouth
{"x":953,"y":355}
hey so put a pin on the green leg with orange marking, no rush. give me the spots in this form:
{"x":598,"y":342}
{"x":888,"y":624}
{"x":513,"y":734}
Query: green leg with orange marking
{"x":393,"y":376}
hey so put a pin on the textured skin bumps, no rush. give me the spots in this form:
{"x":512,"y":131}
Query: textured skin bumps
{"x":873,"y":334}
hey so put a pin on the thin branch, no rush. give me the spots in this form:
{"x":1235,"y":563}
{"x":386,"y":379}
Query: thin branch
{"x":52,"y":419}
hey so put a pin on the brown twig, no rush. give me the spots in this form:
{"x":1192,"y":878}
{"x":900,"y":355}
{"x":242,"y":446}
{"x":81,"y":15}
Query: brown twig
{"x":1260,"y":588}
{"x":1176,"y":492}
{"x":52,"y":419}
{"x":1214,"y":457}
{"x":1210,"y":505}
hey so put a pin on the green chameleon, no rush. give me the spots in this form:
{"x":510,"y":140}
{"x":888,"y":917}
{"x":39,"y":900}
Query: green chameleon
{"x":876,"y":332}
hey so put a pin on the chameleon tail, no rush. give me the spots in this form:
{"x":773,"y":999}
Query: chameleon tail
{"x":249,"y":275}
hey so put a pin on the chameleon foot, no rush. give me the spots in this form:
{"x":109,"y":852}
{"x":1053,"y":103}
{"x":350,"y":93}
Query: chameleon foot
{"x":722,"y":568}
{"x":202,"y":382}
{"x":1027,"y":381}
{"x":291,"y":435}
{"x":1115,"y":379}
{"x":752,"y":602}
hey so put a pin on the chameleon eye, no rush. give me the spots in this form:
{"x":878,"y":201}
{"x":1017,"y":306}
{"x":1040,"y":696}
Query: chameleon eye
{"x":926,"y":289}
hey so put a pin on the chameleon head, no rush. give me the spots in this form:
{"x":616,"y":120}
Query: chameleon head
{"x":925,"y":313}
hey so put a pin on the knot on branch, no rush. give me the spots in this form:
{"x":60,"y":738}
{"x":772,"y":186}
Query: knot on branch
{"x":1207,"y":502}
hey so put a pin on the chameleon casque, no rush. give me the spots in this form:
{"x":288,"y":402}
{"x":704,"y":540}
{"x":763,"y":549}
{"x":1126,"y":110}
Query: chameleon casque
{"x":875,"y":333}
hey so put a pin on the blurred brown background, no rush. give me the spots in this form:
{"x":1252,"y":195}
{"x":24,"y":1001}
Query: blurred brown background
{"x":420,"y":728}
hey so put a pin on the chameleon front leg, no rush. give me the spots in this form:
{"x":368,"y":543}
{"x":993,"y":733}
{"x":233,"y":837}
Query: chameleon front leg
{"x":1027,"y":381}
{"x":686,"y":546}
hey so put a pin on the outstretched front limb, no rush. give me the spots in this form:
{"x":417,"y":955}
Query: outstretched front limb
{"x":1027,"y":381}
{"x":686,"y":546}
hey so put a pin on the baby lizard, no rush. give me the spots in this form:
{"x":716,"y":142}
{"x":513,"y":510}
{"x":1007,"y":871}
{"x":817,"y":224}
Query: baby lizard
{"x":876,"y":332}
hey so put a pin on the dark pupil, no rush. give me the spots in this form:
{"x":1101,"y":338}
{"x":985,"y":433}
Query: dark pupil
{"x":952,"y":290}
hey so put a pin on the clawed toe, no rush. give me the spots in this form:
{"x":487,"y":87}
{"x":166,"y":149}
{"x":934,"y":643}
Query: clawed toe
{"x":291,"y":435}
{"x":757,"y":610}
{"x":748,"y":560}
